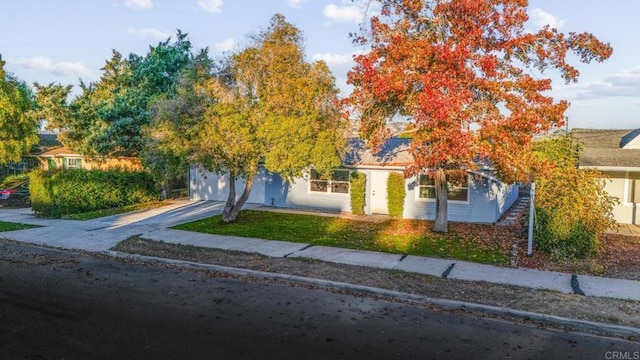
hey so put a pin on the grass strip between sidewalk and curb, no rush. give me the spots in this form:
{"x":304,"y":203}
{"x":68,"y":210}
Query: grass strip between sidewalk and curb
{"x":592,"y":327}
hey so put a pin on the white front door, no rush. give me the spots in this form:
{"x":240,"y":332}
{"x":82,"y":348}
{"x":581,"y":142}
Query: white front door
{"x":379,"y":192}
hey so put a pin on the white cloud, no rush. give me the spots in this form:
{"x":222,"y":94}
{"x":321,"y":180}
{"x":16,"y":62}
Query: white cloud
{"x":344,"y":13}
{"x":540,"y":18}
{"x":45,"y":65}
{"x":337,"y":59}
{"x":212,"y":6}
{"x":625,"y":83}
{"x":145,"y":32}
{"x":295,"y":3}
{"x":339,"y":64}
{"x":226,"y":45}
{"x":139,"y":4}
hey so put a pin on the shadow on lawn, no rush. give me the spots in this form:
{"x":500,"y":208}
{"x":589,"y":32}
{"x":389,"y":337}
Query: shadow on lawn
{"x":471,"y":242}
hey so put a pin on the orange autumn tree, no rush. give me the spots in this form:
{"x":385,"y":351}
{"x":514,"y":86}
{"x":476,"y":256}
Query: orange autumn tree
{"x":463,"y":71}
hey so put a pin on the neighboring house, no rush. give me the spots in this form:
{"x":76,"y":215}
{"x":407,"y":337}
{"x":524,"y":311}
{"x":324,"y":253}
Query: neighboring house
{"x":24,"y":166}
{"x":62,"y":157}
{"x":616,"y":153}
{"x":28,"y":162}
{"x":479,"y":199}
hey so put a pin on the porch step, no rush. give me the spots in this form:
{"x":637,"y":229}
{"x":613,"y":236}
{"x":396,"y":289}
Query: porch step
{"x":514,"y":214}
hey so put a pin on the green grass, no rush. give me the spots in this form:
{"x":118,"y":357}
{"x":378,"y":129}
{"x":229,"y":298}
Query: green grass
{"x":409,"y":237}
{"x":10,"y":226}
{"x":114,"y":211}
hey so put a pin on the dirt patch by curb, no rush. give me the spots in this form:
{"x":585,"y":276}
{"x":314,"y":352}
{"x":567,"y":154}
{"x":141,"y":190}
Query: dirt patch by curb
{"x":612,"y":311}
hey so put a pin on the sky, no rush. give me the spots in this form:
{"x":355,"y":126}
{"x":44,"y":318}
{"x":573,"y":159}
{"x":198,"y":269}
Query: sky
{"x":63,"y":41}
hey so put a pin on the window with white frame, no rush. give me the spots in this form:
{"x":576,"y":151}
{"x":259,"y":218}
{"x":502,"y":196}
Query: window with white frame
{"x":338,"y":183}
{"x":633,"y":188}
{"x":73,"y":163}
{"x":457,"y":189}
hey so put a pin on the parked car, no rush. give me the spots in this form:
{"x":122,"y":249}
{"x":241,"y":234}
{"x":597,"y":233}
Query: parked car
{"x":5,"y":194}
{"x":15,"y":196}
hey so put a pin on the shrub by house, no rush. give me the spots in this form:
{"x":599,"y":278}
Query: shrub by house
{"x":395,"y":194}
{"x":358,"y":192}
{"x":57,"y":193}
{"x":572,"y":205}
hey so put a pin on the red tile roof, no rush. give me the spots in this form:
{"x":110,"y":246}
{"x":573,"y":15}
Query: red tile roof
{"x":59,"y":151}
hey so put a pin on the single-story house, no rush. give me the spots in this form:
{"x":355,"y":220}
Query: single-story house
{"x":616,"y":153}
{"x":480,"y":199}
{"x":65,"y":158}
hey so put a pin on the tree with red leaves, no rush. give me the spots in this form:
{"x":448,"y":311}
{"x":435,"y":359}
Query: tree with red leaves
{"x":462,"y":70}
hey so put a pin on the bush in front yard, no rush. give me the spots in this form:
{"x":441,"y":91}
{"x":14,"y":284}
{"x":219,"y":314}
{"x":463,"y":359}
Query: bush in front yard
{"x":572,"y":206}
{"x":395,"y":194}
{"x":358,"y":190}
{"x":60,"y":192}
{"x":563,"y":240}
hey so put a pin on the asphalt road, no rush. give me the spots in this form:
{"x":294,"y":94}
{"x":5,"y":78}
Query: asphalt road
{"x":65,"y":305}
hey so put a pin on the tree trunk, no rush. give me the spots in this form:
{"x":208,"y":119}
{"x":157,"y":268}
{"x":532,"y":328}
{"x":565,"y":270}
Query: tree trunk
{"x":231,"y":198}
{"x":166,"y":190}
{"x":229,"y":215}
{"x":441,"y":223}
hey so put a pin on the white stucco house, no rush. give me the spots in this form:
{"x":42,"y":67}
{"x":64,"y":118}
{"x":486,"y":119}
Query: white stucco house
{"x":616,"y":153}
{"x":481,"y":198}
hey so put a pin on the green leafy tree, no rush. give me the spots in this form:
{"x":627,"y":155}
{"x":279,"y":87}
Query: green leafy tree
{"x":81,"y":122}
{"x":53,"y":108}
{"x":167,"y":138}
{"x":572,"y":206}
{"x":19,"y":129}
{"x":268,"y":105}
{"x":141,"y":106}
{"x":109,"y":117}
{"x":144,"y":81}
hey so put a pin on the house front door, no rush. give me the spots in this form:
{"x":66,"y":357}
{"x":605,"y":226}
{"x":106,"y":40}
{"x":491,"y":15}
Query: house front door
{"x":378,"y":194}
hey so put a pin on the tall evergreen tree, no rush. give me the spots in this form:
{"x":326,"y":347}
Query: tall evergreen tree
{"x":110,"y":115}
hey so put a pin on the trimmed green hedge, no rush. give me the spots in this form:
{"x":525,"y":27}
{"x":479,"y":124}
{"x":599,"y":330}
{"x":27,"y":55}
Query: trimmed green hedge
{"x":358,"y":192}
{"x":395,"y":194}
{"x":59,"y":192}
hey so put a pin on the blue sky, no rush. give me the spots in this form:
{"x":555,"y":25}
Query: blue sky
{"x":64,"y":40}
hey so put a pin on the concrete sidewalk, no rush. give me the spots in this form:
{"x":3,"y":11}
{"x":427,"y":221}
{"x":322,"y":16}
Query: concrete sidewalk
{"x":627,"y":230}
{"x":100,"y":235}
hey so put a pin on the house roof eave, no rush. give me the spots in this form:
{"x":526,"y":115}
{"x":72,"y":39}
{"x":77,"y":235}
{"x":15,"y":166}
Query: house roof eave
{"x":612,"y":168}
{"x":57,"y":155}
{"x":376,"y":167}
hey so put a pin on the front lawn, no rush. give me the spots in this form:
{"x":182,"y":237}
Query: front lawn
{"x":10,"y":226}
{"x":479,"y":243}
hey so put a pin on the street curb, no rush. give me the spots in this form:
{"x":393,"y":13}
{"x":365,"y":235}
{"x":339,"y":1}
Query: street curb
{"x":525,"y":316}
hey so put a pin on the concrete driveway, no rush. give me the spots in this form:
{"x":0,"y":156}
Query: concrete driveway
{"x":104,"y":233}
